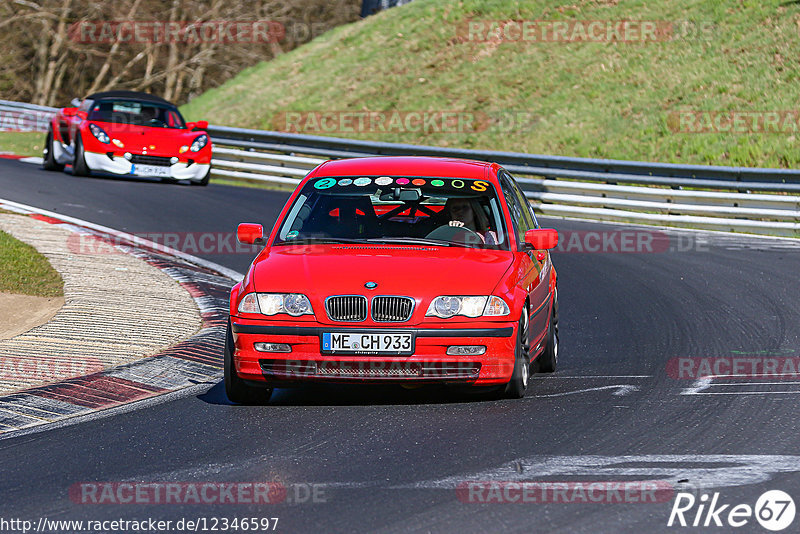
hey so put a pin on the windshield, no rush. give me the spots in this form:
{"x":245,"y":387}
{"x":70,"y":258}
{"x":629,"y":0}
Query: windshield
{"x":136,"y":113}
{"x":396,"y":209}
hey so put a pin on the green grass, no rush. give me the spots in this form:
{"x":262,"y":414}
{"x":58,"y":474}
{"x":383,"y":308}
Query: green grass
{"x":22,"y":143}
{"x":609,"y":100}
{"x":24,"y":271}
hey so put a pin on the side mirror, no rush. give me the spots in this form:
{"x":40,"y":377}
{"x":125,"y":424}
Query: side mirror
{"x":75,"y":102}
{"x":82,"y":114}
{"x":69,"y":112}
{"x":201,"y":125}
{"x":542,"y":238}
{"x":250,"y":234}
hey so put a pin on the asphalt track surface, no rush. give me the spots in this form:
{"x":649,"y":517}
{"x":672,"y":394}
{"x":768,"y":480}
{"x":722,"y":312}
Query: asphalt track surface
{"x":388,"y":460}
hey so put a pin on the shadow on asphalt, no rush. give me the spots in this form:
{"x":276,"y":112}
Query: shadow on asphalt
{"x":357,"y":395}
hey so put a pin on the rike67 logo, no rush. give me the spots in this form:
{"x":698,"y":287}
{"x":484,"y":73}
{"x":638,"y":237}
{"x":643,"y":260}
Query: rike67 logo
{"x":774,"y":510}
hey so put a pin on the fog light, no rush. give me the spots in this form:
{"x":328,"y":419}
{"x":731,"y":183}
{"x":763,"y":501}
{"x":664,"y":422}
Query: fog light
{"x":466,"y":350}
{"x":173,"y":160}
{"x":128,"y":156}
{"x":272,"y":347}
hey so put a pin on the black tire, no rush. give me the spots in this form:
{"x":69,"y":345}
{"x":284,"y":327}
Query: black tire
{"x":204,"y":181}
{"x":547,"y":362}
{"x":236,"y":389}
{"x":79,"y":167}
{"x":516,"y":387}
{"x":50,"y":163}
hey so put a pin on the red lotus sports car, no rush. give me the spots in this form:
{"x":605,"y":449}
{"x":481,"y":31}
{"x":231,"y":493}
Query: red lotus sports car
{"x":128,"y":133}
{"x":396,"y":269}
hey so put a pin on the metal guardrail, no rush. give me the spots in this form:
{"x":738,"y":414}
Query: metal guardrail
{"x":763,"y":201}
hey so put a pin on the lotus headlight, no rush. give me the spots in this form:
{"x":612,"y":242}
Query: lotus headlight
{"x":199,"y":142}
{"x":99,"y":134}
{"x":294,"y":304}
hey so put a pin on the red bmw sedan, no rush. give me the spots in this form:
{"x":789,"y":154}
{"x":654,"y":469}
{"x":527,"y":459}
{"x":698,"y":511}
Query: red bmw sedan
{"x":396,"y":269}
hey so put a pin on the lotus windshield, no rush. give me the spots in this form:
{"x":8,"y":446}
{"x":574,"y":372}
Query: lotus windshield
{"x":396,"y":209}
{"x":136,"y":113}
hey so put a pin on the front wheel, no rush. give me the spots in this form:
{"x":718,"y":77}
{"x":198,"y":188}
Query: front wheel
{"x":79,"y":167}
{"x":547,"y":362}
{"x":50,"y":163}
{"x":204,"y":181}
{"x":516,"y":387}
{"x":236,"y":389}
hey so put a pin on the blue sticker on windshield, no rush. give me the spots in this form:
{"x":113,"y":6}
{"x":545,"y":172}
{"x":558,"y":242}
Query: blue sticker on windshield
{"x":345,"y":181}
{"x":292,"y":234}
{"x":325,"y":183}
{"x":361,"y":182}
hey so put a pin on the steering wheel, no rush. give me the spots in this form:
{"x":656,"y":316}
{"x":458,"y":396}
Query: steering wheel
{"x":456,"y":234}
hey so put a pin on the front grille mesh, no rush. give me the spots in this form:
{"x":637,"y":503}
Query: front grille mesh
{"x":392,"y":309}
{"x":352,"y":308}
{"x":150,"y":160}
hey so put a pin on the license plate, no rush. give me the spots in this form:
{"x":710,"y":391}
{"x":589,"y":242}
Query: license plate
{"x":150,"y":170}
{"x":368,"y":342}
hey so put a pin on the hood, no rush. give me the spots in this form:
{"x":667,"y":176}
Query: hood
{"x":420,"y":272}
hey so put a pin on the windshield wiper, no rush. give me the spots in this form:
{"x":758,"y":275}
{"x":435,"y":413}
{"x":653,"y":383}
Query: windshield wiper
{"x":411,"y":241}
{"x":319,"y":240}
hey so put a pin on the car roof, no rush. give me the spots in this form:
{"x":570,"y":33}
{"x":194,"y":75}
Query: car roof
{"x":406,"y":166}
{"x":129,"y":95}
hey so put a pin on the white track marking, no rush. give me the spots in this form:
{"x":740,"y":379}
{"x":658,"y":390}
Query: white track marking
{"x":700,"y":386}
{"x":702,"y":471}
{"x":588,"y":376}
{"x":620,"y":389}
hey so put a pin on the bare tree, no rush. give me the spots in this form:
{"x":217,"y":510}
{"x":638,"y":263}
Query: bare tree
{"x":53,"y":50}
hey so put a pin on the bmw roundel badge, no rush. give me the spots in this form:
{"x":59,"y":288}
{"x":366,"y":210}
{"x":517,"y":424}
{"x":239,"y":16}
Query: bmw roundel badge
{"x":370,"y":285}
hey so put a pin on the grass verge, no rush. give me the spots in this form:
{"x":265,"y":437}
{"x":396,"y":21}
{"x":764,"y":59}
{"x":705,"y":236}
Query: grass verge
{"x":22,"y":143}
{"x":24,"y":271}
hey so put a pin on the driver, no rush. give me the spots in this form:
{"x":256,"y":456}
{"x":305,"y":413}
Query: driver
{"x":467,"y":213}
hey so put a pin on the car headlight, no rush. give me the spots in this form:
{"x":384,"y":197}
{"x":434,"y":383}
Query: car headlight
{"x":99,"y":134}
{"x":294,"y":304}
{"x":199,"y":142}
{"x":447,"y":306}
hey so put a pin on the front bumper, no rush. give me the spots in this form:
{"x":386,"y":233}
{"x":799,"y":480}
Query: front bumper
{"x":428,"y":363}
{"x":119,"y":165}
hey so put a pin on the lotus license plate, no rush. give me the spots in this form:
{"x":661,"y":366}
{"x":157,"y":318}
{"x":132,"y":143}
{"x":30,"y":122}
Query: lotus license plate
{"x":367,"y":342}
{"x":150,"y":170}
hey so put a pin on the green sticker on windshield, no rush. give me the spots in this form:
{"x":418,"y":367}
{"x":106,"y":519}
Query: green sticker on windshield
{"x":292,"y":234}
{"x":325,"y":183}
{"x":437,"y":183}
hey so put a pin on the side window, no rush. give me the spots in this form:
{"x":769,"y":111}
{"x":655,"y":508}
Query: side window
{"x":517,"y":212}
{"x":525,"y":203}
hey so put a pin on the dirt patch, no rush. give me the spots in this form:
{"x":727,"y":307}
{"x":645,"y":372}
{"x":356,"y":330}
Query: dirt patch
{"x":20,"y":313}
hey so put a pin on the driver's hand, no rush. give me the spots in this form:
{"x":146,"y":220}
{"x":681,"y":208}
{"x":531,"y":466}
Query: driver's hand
{"x":456,"y":223}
